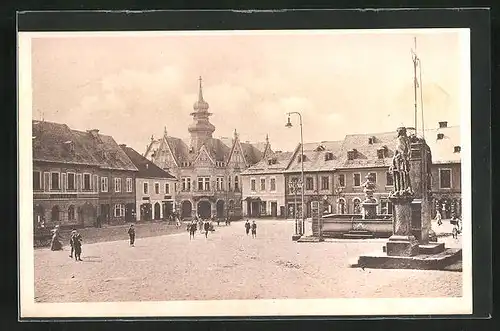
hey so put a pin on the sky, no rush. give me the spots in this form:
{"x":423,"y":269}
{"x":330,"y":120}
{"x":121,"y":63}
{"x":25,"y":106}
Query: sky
{"x":131,"y":87}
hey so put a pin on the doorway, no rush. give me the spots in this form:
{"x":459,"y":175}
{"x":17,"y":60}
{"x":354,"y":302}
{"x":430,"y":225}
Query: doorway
{"x":274,"y":209}
{"x":220,"y":209}
{"x":204,"y":209}
{"x":157,"y":213}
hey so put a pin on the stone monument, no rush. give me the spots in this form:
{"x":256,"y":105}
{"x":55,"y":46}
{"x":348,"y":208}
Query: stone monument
{"x":369,"y":204}
{"x":402,"y":242}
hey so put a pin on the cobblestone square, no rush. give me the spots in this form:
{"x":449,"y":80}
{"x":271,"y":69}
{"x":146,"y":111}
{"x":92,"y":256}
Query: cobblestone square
{"x":229,"y":265}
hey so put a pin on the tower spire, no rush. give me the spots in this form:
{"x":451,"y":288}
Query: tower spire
{"x":200,"y":92}
{"x":267,"y":138}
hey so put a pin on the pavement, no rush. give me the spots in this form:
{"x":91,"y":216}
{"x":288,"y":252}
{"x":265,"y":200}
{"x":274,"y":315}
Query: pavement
{"x":229,"y":265}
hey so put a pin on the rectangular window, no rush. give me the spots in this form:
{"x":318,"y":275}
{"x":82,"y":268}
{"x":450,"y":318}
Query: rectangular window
{"x":55,"y":181}
{"x":325,"y":181}
{"x":104,"y":184}
{"x":386,"y":207}
{"x":229,"y":183}
{"x":374,"y":176}
{"x":262,"y":184}
{"x":86,"y":182}
{"x":444,"y":178}
{"x":145,"y":188}
{"x":200,"y":184}
{"x":119,"y":210}
{"x":157,"y":188}
{"x":389,"y":178}
{"x":118,"y":184}
{"x":263,"y":208}
{"x":129,"y":185}
{"x":203,"y":183}
{"x":236,"y":183}
{"x":186,"y":183}
{"x":252,"y":184}
{"x":342,"y":180}
{"x":219,"y":183}
{"x":167,"y":188}
{"x":71,"y":181}
{"x":273,"y":184}
{"x":207,"y":183}
{"x":357,"y":180}
{"x":37,"y":180}
{"x":309,"y":183}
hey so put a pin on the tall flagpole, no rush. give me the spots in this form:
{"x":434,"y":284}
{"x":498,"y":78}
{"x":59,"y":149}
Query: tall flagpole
{"x":421,"y":97}
{"x":415,"y":82}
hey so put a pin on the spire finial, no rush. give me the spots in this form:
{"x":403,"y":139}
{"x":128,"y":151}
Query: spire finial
{"x":200,"y":93}
{"x":152,"y":138}
{"x":235,"y":134}
{"x":165,"y":130}
{"x":267,"y":138}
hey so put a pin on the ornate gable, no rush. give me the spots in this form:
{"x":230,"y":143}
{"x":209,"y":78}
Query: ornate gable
{"x":203,"y":158}
{"x":164,"y":156}
{"x":237,"y":156}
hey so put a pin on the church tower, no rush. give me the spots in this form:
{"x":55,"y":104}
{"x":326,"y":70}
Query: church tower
{"x":200,"y":129}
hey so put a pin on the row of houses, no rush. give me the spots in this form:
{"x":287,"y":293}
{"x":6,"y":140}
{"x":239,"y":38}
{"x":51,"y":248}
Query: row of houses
{"x":83,"y":178}
{"x":334,"y":173}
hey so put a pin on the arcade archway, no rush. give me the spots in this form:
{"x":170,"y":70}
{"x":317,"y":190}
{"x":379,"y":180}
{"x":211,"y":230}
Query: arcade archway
{"x":186,"y":209}
{"x":220,"y":209}
{"x":204,"y":209}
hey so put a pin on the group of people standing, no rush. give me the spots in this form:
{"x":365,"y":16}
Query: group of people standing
{"x":252,"y":227}
{"x":75,"y":241}
{"x":198,"y":224}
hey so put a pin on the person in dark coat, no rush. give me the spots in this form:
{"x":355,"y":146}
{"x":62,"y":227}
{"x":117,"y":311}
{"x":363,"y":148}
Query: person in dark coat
{"x":73,"y":232}
{"x":131,"y":234}
{"x":206,"y":227}
{"x":192,"y":229}
{"x":76,"y":238}
{"x":55,"y":244}
{"x":254,"y":230}
{"x":247,"y":227}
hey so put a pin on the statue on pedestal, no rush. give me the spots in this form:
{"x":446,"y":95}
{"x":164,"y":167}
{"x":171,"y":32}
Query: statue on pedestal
{"x":369,"y":204}
{"x":400,"y":167}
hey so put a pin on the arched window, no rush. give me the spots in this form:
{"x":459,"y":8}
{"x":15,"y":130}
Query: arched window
{"x":55,"y":214}
{"x":356,"y":206}
{"x":236,"y":183}
{"x":341,"y":206}
{"x":71,"y":213}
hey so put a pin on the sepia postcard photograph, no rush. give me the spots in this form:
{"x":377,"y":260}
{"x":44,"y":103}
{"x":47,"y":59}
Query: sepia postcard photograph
{"x":244,"y":173}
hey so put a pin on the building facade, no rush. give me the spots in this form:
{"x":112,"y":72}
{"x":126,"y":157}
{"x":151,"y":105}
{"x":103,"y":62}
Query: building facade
{"x":208,"y":170}
{"x":116,"y":177}
{"x":263,"y":187}
{"x":65,"y":190}
{"x":319,"y":163}
{"x":154,"y":187}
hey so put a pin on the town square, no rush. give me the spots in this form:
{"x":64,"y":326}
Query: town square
{"x":162,"y":173}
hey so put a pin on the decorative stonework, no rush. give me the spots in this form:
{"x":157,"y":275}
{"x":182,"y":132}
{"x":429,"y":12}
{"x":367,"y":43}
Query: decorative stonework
{"x":400,"y":167}
{"x":369,"y":204}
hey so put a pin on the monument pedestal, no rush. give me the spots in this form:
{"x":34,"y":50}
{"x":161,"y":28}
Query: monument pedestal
{"x":402,"y":246}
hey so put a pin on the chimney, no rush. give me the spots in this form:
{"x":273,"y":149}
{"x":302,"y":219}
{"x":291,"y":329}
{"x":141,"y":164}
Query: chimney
{"x":94,"y":132}
{"x":440,"y":136}
{"x":443,"y":124}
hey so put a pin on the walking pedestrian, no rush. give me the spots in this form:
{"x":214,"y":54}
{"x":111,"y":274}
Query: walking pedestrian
{"x":71,"y":243}
{"x":131,"y":234}
{"x":438,"y":218}
{"x":218,"y":221}
{"x":192,"y":229}
{"x":247,"y":227}
{"x":55,"y":244}
{"x":206,"y":227}
{"x":76,"y":238}
{"x":254,"y":229}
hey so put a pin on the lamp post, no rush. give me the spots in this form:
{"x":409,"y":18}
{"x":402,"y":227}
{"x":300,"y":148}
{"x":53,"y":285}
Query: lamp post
{"x":289,"y":125}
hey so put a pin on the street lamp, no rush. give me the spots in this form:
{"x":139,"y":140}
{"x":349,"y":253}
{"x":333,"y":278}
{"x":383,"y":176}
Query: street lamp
{"x":289,"y":125}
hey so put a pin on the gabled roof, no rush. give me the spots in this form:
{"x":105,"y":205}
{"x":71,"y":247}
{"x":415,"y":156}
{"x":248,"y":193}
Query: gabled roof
{"x":264,"y":166}
{"x":366,"y":154}
{"x":105,"y":149}
{"x":316,"y":158}
{"x":147,"y":169}
{"x":51,"y":144}
{"x":443,"y":150}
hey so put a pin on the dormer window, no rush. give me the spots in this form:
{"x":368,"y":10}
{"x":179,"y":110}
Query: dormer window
{"x":328,"y":156}
{"x":351,"y":154}
{"x":302,"y":158}
{"x":320,"y":148}
{"x":457,"y":149}
{"x":69,"y":146}
{"x":380,"y":153}
{"x":371,"y":140}
{"x":440,"y":136}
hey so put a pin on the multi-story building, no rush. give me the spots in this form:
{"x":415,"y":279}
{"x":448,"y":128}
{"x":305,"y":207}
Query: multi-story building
{"x":319,"y":162}
{"x":445,"y":146}
{"x":361,"y":155}
{"x":115,"y":179}
{"x":207,"y":169}
{"x":263,"y":186}
{"x":65,"y":176}
{"x":154,"y":188}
